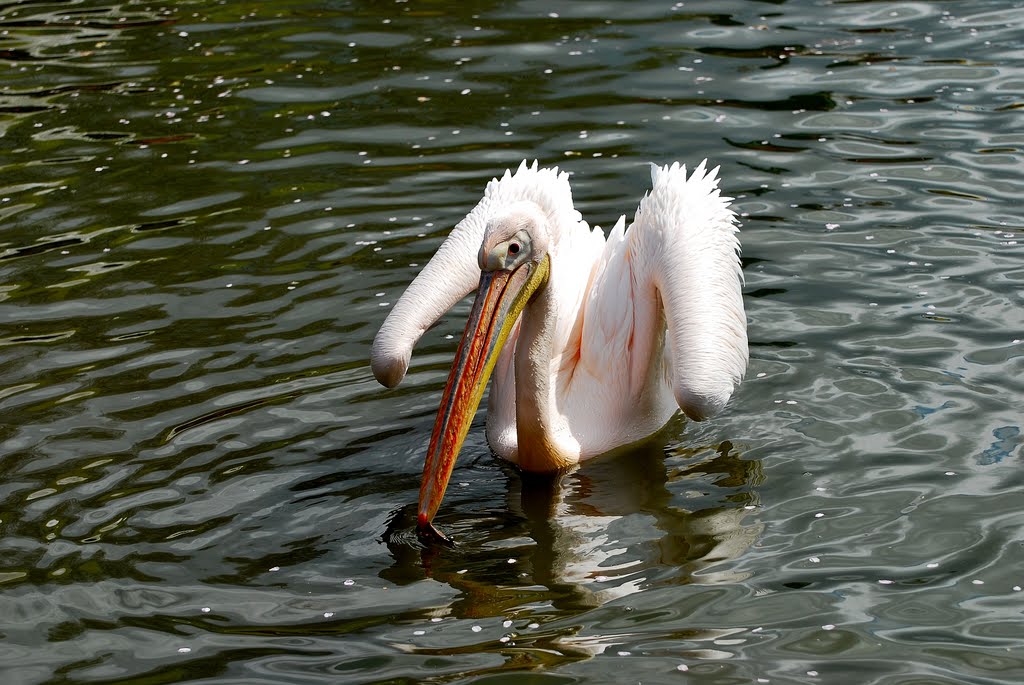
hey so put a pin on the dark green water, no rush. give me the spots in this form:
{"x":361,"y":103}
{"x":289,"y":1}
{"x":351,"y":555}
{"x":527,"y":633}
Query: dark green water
{"x":207,"y":208}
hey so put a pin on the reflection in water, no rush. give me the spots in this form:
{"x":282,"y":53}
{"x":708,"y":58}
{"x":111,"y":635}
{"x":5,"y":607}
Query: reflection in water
{"x":615,"y":526}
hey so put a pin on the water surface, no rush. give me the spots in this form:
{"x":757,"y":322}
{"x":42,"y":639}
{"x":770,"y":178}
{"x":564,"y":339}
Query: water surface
{"x":208,"y":208}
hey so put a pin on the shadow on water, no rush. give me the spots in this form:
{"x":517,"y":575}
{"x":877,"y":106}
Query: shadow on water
{"x":642,"y":518}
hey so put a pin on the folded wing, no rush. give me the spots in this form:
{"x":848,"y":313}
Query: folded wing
{"x":684,"y":239}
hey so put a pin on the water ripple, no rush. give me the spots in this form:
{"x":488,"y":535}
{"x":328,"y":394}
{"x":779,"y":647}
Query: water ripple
{"x":209,"y":209}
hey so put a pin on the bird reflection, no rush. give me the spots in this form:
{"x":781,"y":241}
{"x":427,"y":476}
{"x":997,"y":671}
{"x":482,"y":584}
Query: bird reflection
{"x":645,"y":517}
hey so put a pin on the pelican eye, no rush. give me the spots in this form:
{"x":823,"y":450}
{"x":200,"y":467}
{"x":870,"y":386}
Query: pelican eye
{"x":507,"y":253}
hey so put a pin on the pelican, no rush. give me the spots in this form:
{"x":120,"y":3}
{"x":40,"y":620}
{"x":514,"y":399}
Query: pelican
{"x":593,"y":343}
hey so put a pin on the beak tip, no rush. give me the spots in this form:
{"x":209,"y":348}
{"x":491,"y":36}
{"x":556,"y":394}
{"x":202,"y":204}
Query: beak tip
{"x":426,"y":532}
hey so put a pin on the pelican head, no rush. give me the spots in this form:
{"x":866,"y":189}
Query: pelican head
{"x":517,"y":235}
{"x":514,"y":265}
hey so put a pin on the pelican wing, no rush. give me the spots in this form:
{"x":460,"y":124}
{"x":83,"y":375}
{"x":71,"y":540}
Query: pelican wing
{"x":685,"y":235}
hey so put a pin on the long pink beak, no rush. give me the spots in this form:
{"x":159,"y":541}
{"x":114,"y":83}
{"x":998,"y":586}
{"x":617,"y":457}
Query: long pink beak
{"x":500,"y":299}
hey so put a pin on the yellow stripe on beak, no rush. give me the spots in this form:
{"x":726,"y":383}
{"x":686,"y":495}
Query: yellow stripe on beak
{"x":500,"y":300}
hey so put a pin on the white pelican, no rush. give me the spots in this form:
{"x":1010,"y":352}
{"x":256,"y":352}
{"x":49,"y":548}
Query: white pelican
{"x":593,"y":343}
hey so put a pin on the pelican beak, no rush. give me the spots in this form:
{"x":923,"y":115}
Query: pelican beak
{"x":499,"y":301}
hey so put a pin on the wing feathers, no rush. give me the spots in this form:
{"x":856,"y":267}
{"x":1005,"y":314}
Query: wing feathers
{"x":687,"y":237}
